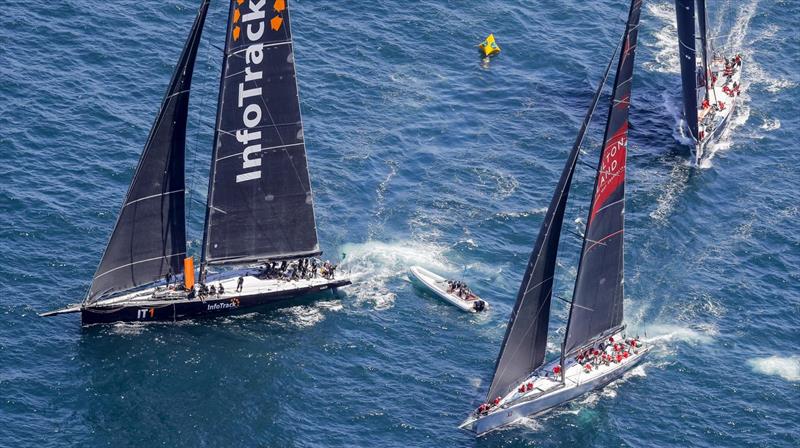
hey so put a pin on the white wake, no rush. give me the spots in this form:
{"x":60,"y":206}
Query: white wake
{"x":787,"y":368}
{"x":374,"y":264}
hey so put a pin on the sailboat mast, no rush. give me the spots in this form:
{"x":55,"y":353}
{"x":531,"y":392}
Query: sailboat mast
{"x":685,"y":17}
{"x":598,"y":295}
{"x":702,"y":20}
{"x":215,"y":147}
{"x":525,"y":342}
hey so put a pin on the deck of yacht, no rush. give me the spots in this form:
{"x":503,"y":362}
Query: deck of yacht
{"x":543,"y":380}
{"x":712,"y":117}
{"x":253,"y":284}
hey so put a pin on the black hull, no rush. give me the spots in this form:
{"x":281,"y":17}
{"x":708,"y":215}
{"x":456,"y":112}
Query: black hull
{"x":188,"y":309}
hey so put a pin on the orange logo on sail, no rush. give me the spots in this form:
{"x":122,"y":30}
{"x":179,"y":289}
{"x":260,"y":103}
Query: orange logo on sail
{"x":276,"y":23}
{"x":280,"y":5}
{"x":236,"y":16}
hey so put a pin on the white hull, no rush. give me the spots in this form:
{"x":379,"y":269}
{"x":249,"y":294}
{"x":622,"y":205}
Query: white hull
{"x":549,"y":392}
{"x":252,"y":286}
{"x":438,"y":285}
{"x":713,"y":122}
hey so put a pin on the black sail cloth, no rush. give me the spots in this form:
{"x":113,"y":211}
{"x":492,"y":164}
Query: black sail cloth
{"x":260,"y":203}
{"x":701,"y":22}
{"x":685,"y":12}
{"x":149,"y":238}
{"x":525,"y":343}
{"x":597,"y":299}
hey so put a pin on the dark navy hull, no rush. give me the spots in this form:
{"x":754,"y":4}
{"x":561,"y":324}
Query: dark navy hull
{"x":187,"y":309}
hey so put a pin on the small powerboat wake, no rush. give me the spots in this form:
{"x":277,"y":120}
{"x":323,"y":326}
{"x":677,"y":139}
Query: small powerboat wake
{"x":453,"y":292}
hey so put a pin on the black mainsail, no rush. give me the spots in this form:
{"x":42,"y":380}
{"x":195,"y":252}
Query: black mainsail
{"x":525,"y":343}
{"x":702,"y":19}
{"x":687,"y":53}
{"x":259,"y":202}
{"x":597,"y":300}
{"x":149,"y":238}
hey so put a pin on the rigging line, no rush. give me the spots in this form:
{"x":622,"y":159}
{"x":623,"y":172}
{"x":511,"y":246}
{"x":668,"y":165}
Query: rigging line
{"x":284,"y":147}
{"x":152,"y":196}
{"x":280,"y":137}
{"x":274,"y":44}
{"x":609,"y":205}
{"x":600,"y":242}
{"x":573,"y":303}
{"x":195,"y":150}
{"x":176,"y":94}
{"x":576,"y":234}
{"x":137,"y":262}
{"x":537,"y":285}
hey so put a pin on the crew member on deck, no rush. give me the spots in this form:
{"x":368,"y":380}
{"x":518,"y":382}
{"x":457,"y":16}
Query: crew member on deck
{"x":239,"y":284}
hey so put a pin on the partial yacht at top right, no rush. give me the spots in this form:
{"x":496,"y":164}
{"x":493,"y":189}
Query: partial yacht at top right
{"x":711,"y":80}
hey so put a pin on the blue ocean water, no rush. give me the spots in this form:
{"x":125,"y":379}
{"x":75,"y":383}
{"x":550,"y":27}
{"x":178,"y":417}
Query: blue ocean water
{"x":419,"y":155}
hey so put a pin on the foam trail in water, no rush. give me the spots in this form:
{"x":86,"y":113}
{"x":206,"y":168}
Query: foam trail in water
{"x":670,"y":193}
{"x":771,"y":124}
{"x":787,"y":368}
{"x":667,"y":333}
{"x":666,"y":35}
{"x":372,"y":265}
{"x":303,"y":316}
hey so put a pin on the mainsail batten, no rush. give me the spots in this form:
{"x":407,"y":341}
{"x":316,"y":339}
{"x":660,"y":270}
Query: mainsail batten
{"x":149,"y":237}
{"x":260,"y":204}
{"x":597,"y":299}
{"x":525,"y":342}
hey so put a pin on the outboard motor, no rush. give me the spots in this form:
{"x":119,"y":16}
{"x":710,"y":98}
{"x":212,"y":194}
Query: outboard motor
{"x":479,"y":305}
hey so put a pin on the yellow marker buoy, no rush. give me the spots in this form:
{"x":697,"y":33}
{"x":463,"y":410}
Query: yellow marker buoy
{"x":489,"y":47}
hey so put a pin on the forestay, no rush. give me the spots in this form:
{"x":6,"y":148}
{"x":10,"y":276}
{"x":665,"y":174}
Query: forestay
{"x":149,"y":238}
{"x":597,"y":299}
{"x":260,"y":204}
{"x":525,"y":343}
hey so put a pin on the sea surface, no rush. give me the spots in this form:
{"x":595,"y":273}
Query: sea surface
{"x":420,"y":155}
